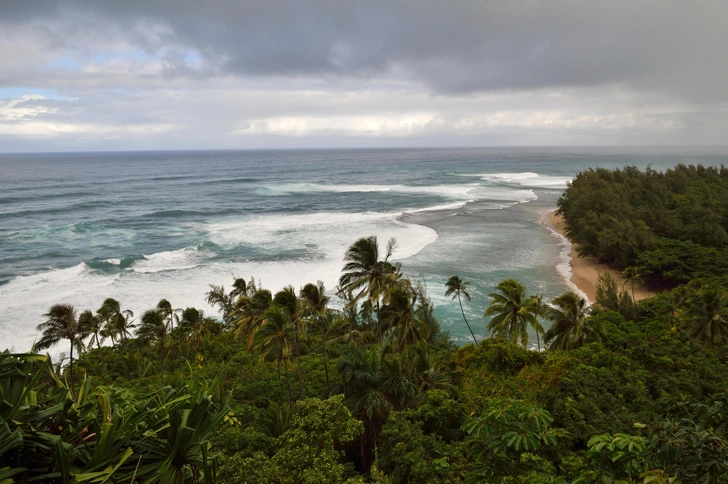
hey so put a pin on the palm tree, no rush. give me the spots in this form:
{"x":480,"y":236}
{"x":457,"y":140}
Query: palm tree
{"x":250,"y":310}
{"x":633,"y":275}
{"x":61,"y":324}
{"x":513,"y":312}
{"x":571,"y":325}
{"x":273,"y":421}
{"x":455,"y":287}
{"x":365,"y":273}
{"x":153,"y":328}
{"x":276,"y":336}
{"x":543,"y":310}
{"x":287,"y":300}
{"x":90,"y":325}
{"x":170,"y":313}
{"x":217,"y":296}
{"x":706,"y":316}
{"x":315,"y":302}
{"x":241,"y":288}
{"x":117,"y":321}
{"x":372,"y":387}
{"x":401,"y":317}
{"x":194,"y":324}
{"x":424,"y":372}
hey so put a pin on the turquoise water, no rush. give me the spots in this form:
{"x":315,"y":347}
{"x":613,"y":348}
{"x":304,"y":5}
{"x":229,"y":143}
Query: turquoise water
{"x":77,"y":228}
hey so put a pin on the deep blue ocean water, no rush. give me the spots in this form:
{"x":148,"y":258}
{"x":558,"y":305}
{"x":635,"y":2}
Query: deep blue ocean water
{"x":140,"y":226}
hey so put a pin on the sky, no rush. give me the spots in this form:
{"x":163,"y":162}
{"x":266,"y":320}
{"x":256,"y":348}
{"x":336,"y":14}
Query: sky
{"x":238,"y":74}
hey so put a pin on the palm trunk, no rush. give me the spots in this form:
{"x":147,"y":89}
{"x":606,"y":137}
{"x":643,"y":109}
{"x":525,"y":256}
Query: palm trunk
{"x":538,"y":341}
{"x":161,"y":361}
{"x":73,"y":394}
{"x":288,"y":386}
{"x":326,"y":365}
{"x":298,"y":360}
{"x":98,"y":343}
{"x":379,"y":323}
{"x":466,"y":321}
{"x":633,"y":301}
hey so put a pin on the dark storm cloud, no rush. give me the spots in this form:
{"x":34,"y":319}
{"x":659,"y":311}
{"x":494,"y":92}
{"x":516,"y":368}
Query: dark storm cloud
{"x":673,"y":46}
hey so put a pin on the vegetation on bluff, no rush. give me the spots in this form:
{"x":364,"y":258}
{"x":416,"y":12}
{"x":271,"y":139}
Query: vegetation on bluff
{"x":288,"y":388}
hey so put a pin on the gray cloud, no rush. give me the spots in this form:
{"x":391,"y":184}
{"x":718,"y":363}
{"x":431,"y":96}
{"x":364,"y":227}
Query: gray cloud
{"x":141,"y":74}
{"x":452,"y":47}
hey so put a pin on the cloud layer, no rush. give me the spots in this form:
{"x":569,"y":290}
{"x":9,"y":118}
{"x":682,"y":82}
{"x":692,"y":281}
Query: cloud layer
{"x":228,"y":74}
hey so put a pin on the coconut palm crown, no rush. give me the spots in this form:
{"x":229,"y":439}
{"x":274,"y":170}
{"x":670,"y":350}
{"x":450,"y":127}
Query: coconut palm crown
{"x":571,"y":324}
{"x":364,"y":274}
{"x":512,"y":312}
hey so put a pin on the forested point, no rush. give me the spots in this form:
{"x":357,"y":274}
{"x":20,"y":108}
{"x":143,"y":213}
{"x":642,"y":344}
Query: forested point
{"x":290,"y":388}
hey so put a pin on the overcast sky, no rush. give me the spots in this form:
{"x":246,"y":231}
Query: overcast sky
{"x":189,"y":74}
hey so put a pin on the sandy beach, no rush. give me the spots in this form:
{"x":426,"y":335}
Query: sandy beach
{"x":585,"y":270}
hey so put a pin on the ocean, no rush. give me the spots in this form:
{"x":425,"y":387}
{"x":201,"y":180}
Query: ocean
{"x":140,"y":226}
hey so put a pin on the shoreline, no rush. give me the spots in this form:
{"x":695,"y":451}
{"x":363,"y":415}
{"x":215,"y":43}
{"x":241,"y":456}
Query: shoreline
{"x":584,"y":271}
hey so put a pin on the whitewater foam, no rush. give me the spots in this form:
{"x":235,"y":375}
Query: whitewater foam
{"x":451,"y":191}
{"x":183,"y":276}
{"x":525,"y":179}
{"x":563,"y":268}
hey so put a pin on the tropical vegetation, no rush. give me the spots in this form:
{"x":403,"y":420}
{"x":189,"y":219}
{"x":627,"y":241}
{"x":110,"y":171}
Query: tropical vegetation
{"x":363,"y":384}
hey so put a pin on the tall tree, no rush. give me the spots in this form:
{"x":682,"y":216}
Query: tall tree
{"x":287,"y":300}
{"x":170,"y":313}
{"x":315,"y":307}
{"x":61,"y":323}
{"x":706,"y":316}
{"x":153,"y":329}
{"x":364,"y":274}
{"x":90,"y":325}
{"x":571,"y":326}
{"x":194,"y":324}
{"x":250,"y":312}
{"x":402,"y":319}
{"x":512,"y":312}
{"x":276,"y":336}
{"x":633,"y":275}
{"x":118,"y":321}
{"x":217,"y":296}
{"x":373,"y":386}
{"x":456,"y":288}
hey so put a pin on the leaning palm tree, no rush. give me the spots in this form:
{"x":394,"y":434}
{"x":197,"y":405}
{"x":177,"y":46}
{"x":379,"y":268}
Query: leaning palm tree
{"x":706,"y":317}
{"x":153,"y":328}
{"x":276,"y":336}
{"x":287,"y":300}
{"x":365,"y":275}
{"x":90,"y":325}
{"x":571,"y":326}
{"x":315,"y":307}
{"x":512,"y":312}
{"x":117,"y":322}
{"x":193,"y":323}
{"x":170,"y":313}
{"x":250,"y":310}
{"x":455,"y":288}
{"x":61,"y":323}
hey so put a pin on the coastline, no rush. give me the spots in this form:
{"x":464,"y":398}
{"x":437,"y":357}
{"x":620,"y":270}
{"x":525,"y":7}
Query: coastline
{"x":584,"y":271}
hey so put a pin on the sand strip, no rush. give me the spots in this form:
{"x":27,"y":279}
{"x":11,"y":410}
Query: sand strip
{"x":585,"y":270}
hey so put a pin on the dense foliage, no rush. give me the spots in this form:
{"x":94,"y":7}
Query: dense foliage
{"x":672,"y":225}
{"x":371,"y":390}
